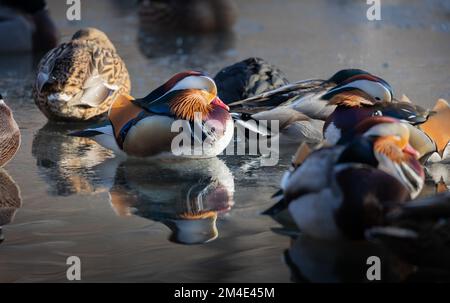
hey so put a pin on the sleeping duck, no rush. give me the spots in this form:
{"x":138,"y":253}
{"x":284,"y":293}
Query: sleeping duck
{"x":310,"y":98}
{"x":150,"y":127}
{"x":343,"y":190}
{"x":79,"y":80}
{"x":9,"y":134}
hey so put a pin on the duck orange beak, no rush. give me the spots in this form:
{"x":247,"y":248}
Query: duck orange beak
{"x":216,"y":101}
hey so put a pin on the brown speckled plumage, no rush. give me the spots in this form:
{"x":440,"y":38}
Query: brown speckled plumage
{"x":9,"y":135}
{"x":71,"y":70}
{"x":10,"y":199}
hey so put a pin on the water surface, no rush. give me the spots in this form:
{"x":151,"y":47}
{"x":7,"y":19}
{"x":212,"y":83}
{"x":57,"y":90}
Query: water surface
{"x":120,"y":218}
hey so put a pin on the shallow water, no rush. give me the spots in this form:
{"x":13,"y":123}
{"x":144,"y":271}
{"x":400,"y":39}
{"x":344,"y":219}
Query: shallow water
{"x":78,"y":200}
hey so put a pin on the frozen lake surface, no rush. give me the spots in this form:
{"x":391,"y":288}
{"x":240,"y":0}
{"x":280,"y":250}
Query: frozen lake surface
{"x":76,"y":197}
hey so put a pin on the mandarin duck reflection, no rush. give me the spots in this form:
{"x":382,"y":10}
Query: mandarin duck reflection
{"x":145,"y":127}
{"x":187,"y":197}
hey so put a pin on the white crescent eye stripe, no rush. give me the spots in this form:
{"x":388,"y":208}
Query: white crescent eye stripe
{"x":193,"y":82}
{"x":373,"y":88}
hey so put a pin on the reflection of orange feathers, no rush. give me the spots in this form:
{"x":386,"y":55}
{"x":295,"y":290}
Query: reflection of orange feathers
{"x":351,"y":98}
{"x":198,"y":216}
{"x":188,"y":102}
{"x":437,"y":126}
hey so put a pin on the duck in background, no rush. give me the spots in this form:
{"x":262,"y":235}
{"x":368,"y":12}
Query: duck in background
{"x":26,"y":25}
{"x":143,"y":127}
{"x":187,"y":197}
{"x":341,"y":191}
{"x":248,"y":78}
{"x":197,"y":16}
{"x":9,"y":134}
{"x":10,"y":200}
{"x":79,"y":80}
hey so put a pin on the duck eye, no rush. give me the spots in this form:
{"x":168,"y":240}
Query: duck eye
{"x":378,"y":98}
{"x":377,"y":113}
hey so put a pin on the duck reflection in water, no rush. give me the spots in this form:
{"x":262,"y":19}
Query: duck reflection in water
{"x":415,"y":248}
{"x":71,"y":165}
{"x":186,"y":196}
{"x":10,"y":200}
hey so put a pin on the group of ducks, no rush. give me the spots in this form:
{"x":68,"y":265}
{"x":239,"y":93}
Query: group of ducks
{"x":366,"y":153}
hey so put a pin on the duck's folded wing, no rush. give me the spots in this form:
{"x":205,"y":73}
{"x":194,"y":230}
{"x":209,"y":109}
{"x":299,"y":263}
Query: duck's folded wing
{"x":280,"y":96}
{"x":104,"y":74}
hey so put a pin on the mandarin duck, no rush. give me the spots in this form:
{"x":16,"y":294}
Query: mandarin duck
{"x":10,"y":200}
{"x":195,"y":16}
{"x":343,"y":190}
{"x":186,"y":197}
{"x":429,"y":129}
{"x":145,"y":127}
{"x":311,"y":100}
{"x":9,"y":134}
{"x":79,"y":80}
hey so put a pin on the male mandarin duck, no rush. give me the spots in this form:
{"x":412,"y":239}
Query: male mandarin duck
{"x":9,"y":134}
{"x":302,"y":107}
{"x":344,"y":190}
{"x":143,"y":127}
{"x":79,"y":80}
{"x":311,"y":97}
{"x":188,"y":198}
{"x":195,"y":16}
{"x":429,"y":130}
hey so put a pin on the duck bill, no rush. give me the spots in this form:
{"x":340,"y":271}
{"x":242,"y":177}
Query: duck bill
{"x":217,"y":102}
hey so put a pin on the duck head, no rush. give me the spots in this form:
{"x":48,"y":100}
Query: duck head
{"x":355,"y":87}
{"x":95,"y":35}
{"x":184,"y":96}
{"x":392,"y":151}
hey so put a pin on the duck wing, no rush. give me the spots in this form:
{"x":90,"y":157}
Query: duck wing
{"x":284,"y":95}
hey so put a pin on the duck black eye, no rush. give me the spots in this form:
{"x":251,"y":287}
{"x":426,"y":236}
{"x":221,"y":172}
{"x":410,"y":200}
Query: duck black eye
{"x":378,"y":98}
{"x":378,"y":113}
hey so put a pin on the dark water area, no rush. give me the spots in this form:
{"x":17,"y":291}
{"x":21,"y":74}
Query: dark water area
{"x":129,"y":221}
